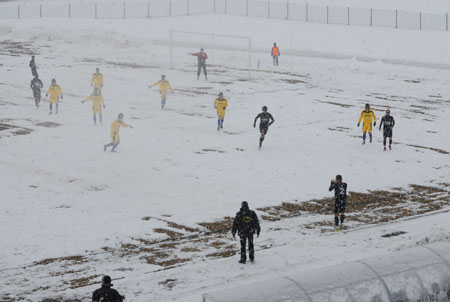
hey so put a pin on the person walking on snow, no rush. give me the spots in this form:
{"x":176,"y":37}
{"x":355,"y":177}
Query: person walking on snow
{"x":36,"y":86}
{"x":55,"y":92}
{"x":97,"y":103}
{"x":201,"y":60}
{"x":163,"y":86}
{"x":33,"y":67}
{"x":275,"y":54}
{"x":340,"y":200}
{"x":106,"y":293}
{"x":388,"y":123}
{"x":115,"y":137}
{"x":246,"y":224}
{"x":97,"y":80}
{"x":265,"y":121}
{"x":220,"y":104}
{"x":367,"y":115}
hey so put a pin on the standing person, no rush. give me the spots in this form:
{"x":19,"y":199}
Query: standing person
{"x":163,"y":85}
{"x":115,"y":137}
{"x":266,"y":120}
{"x":246,"y":224}
{"x":97,"y":103}
{"x":55,"y":93}
{"x":367,"y":115}
{"x":388,"y":123}
{"x":201,"y":60}
{"x":97,"y":80}
{"x":33,"y":67}
{"x":220,"y":104}
{"x":106,"y":293}
{"x":36,"y":86}
{"x":340,"y":200}
{"x":275,"y":54}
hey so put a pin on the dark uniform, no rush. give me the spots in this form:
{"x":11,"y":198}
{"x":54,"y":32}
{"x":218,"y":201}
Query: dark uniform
{"x":388,"y":123}
{"x":106,"y":294}
{"x":33,"y":68}
{"x":340,"y":200}
{"x":36,"y":86}
{"x":266,"y":119}
{"x":246,"y":224}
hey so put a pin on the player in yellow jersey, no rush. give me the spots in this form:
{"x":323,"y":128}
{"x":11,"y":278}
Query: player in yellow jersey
{"x":97,"y":103}
{"x":115,"y":137}
{"x":163,"y":86}
{"x":55,"y":93}
{"x":220,"y":104}
{"x":97,"y":80}
{"x":367,"y":116}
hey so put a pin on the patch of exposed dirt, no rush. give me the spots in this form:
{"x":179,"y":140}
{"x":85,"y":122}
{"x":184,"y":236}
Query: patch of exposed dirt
{"x":212,"y":150}
{"x":393,"y":234}
{"x":82,"y":282}
{"x":16,"y":49}
{"x":169,"y":284}
{"x":77,"y":259}
{"x":48,"y":124}
{"x":293,"y":81}
{"x":336,"y":104}
{"x":429,"y":148}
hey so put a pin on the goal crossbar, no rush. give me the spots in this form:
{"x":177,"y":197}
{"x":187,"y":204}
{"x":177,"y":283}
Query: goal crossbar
{"x":212,"y":35}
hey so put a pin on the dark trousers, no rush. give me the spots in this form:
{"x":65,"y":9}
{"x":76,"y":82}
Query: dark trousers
{"x":251,"y":250}
{"x":200,"y":66}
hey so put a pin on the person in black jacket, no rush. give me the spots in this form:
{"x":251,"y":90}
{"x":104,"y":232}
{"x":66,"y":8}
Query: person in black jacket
{"x":106,"y":293}
{"x":36,"y":86}
{"x":265,"y":121}
{"x":33,"y":67}
{"x":388,"y":123}
{"x":246,"y":224}
{"x":340,"y":201}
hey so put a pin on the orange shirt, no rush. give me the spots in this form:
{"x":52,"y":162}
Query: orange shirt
{"x":275,"y":51}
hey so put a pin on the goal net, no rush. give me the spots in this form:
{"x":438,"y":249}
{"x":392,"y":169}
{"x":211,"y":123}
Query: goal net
{"x":226,"y":53}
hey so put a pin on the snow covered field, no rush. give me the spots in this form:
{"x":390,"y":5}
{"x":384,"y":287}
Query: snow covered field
{"x":71,"y":212}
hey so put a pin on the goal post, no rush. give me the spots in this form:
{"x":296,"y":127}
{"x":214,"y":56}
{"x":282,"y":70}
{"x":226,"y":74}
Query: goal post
{"x":213,"y":42}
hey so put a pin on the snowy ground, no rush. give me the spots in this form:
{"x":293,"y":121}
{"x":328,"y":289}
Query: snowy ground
{"x":71,"y":213}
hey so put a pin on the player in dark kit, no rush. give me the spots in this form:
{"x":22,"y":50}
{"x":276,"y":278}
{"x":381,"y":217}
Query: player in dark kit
{"x":33,"y":67}
{"x":266,"y":120}
{"x":246,"y":224}
{"x":36,"y":86}
{"x":340,"y":201}
{"x":388,"y":123}
{"x":106,"y":293}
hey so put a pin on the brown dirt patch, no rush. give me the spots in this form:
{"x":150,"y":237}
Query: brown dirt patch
{"x":48,"y":124}
{"x":72,"y":259}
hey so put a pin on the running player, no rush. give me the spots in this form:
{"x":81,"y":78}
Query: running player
{"x":97,"y":103}
{"x":367,"y":115}
{"x":220,"y":104}
{"x":388,"y":123}
{"x":266,"y":120}
{"x":163,"y":85}
{"x":340,"y":201}
{"x":55,"y":93}
{"x":97,"y":80}
{"x":36,"y":86}
{"x":115,"y":137}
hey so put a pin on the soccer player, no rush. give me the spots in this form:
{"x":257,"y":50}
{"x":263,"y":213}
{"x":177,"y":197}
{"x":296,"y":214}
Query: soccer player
{"x":55,"y":92}
{"x":33,"y":67}
{"x":220,"y":104}
{"x":97,"y":103}
{"x":36,"y":86}
{"x":115,"y":137}
{"x":340,"y":199}
{"x":201,"y":60}
{"x":275,"y":54}
{"x":97,"y":80}
{"x":388,"y":123}
{"x":266,"y":120}
{"x":367,"y":115}
{"x":163,"y":85}
{"x":106,"y":293}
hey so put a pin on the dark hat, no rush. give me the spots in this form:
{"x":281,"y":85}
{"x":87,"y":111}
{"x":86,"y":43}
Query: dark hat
{"x":338,"y":177}
{"x":106,"y":281}
{"x":244,"y":204}
{"x":264,"y":108}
